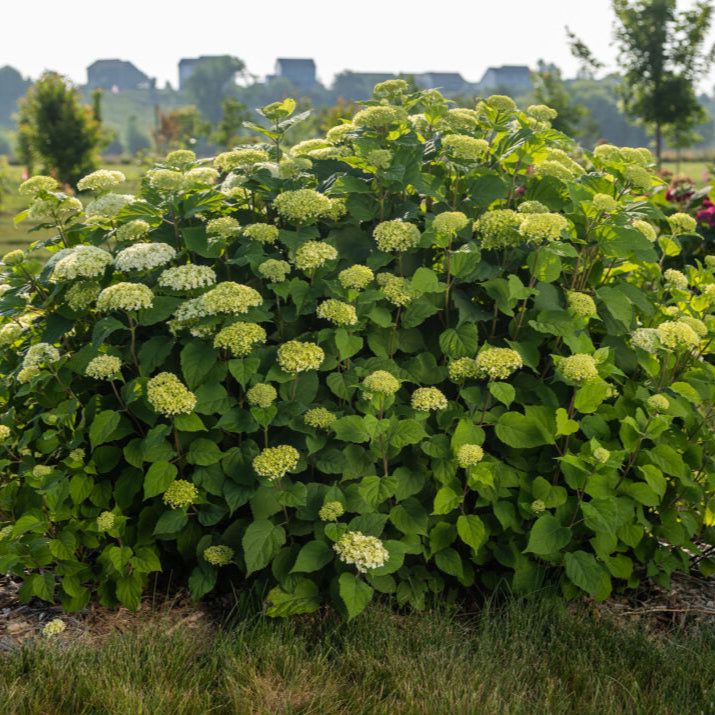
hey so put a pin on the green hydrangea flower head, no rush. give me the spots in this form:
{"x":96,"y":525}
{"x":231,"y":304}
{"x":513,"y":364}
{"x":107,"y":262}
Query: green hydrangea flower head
{"x":578,"y":367}
{"x":313,"y":254}
{"x":425,"y":399}
{"x":105,"y":521}
{"x":607,"y":152}
{"x":169,"y":396}
{"x":144,"y":257}
{"x":40,"y":354}
{"x":37,"y":184}
{"x":390,"y":88}
{"x":4,"y":432}
{"x":532,"y":207}
{"x":220,"y":555}
{"x":379,"y":117}
{"x":365,"y":552}
{"x":696,"y":324}
{"x":331,"y":511}
{"x":658,"y":403}
{"x":497,"y":363}
{"x":638,"y":178}
{"x":500,"y":228}
{"x":296,"y":356}
{"x":462,"y":369}
{"x":224,"y":227}
{"x":262,"y":232}
{"x":9,"y":334}
{"x":605,"y":203}
{"x":190,"y":276}
{"x":261,"y":395}
{"x":458,"y":120}
{"x":464,"y":148}
{"x":675,"y":334}
{"x":601,"y":455}
{"x":380,"y":158}
{"x":396,"y":236}
{"x":682,"y":223}
{"x":537,"y":506}
{"x":240,"y":159}
{"x":541,"y":112}
{"x":676,"y":278}
{"x":274,"y":270}
{"x":104,"y":367}
{"x":640,"y":157}
{"x":302,"y":206}
{"x":397,"y":290}
{"x":275,"y":462}
{"x":536,"y":228}
{"x":338,"y":134}
{"x":180,"y":158}
{"x":319,"y":418}
{"x":501,"y":103}
{"x":81,"y":262}
{"x":356,"y":277}
{"x":14,"y":258}
{"x":645,"y":339}
{"x":41,"y":470}
{"x":380,"y":382}
{"x":449,"y":223}
{"x":100,"y":180}
{"x":180,"y":494}
{"x":125,"y":296}
{"x":240,"y":338}
{"x":469,"y":455}
{"x":581,"y":304}
{"x":230,"y":297}
{"x":550,"y":167}
{"x":202,"y":175}
{"x":646,"y":229}
{"x":53,"y":628}
{"x":167,"y":180}
{"x":337,"y":312}
{"x":133,"y":231}
{"x":307,"y":146}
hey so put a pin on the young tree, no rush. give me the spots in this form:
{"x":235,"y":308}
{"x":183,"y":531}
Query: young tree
{"x":57,"y":131}
{"x":209,"y":82}
{"x":235,"y":113}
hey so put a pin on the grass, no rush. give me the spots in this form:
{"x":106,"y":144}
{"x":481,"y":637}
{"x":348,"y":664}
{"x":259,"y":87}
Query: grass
{"x":527,"y":657}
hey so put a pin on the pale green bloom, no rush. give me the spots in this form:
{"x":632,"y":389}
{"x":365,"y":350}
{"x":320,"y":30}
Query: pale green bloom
{"x":565,"y":160}
{"x":319,"y":418}
{"x":646,"y":229}
{"x":645,"y":339}
{"x":459,"y":120}
{"x":53,"y":628}
{"x":81,"y":262}
{"x":125,"y":296}
{"x":187,"y":277}
{"x":381,"y":382}
{"x":425,"y":399}
{"x":542,"y":227}
{"x":274,"y":270}
{"x":396,"y":236}
{"x":108,"y":205}
{"x":501,"y":103}
{"x":497,"y":363}
{"x":696,"y":324}
{"x":677,"y":334}
{"x":229,"y":297}
{"x":9,"y":334}
{"x":4,"y":432}
{"x":601,"y":455}
{"x":261,"y":232}
{"x":241,"y":158}
{"x":366,"y":552}
{"x":104,"y":367}
{"x":604,"y":202}
{"x":337,"y":134}
{"x":682,"y":223}
{"x":658,"y":403}
{"x":54,"y":208}
{"x":638,"y":178}
{"x":469,"y":454}
{"x":167,"y":180}
{"x":37,"y":184}
{"x":607,"y":152}
{"x":14,"y":258}
{"x":549,"y":167}
{"x":225,"y":227}
{"x":331,"y":511}
{"x":500,"y":228}
{"x":105,"y":521}
{"x":180,"y":494}
{"x":144,"y":257}
{"x":180,"y":158}
{"x":541,"y":112}
{"x":169,"y":396}
{"x":6,"y":532}
{"x":133,"y":231}
{"x":27,"y":374}
{"x":537,"y":506}
{"x":261,"y":395}
{"x":307,"y":146}
{"x":275,"y":462}
{"x":462,"y":369}
{"x":40,"y":354}
{"x":41,"y":470}
{"x":397,"y":290}
{"x":302,"y":205}
{"x":578,"y":367}
{"x":379,"y":117}
{"x":449,"y":223}
{"x":390,"y":88}
{"x":710,"y":261}
{"x":218,"y":555}
{"x":464,"y":148}
{"x":677,"y":279}
{"x":81,"y":295}
{"x":100,"y":180}
{"x":240,"y":338}
{"x":313,"y":254}
{"x":380,"y":158}
{"x":295,"y":356}
{"x":357,"y":277}
{"x":581,"y":304}
{"x":642,"y":156}
{"x":533,"y":207}
{"x":337,"y":312}
{"x":202,"y":175}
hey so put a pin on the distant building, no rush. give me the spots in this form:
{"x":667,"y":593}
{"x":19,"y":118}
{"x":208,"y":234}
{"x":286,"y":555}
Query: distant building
{"x":188,"y":65}
{"x":299,"y":72}
{"x":116,"y":75}
{"x":451,"y":82}
{"x":513,"y":78}
{"x":358,"y":85}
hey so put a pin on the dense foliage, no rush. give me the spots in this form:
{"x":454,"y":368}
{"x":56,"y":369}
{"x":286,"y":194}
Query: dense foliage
{"x":440,"y":347}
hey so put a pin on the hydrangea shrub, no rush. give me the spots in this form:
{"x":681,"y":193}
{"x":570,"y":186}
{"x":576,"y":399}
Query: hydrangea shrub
{"x":438,"y":348}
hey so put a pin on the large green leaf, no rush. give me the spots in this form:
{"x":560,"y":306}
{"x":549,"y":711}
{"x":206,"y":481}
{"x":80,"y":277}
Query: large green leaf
{"x":471,"y":530}
{"x":261,"y":543}
{"x":355,"y":594}
{"x":103,"y":427}
{"x":547,"y":536}
{"x":590,"y":576}
{"x":158,"y":478}
{"x":312,"y":557}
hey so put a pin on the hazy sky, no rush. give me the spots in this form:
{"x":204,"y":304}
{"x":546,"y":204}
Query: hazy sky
{"x":364,"y":35}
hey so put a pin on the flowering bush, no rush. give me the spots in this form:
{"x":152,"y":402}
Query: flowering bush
{"x":438,"y":348}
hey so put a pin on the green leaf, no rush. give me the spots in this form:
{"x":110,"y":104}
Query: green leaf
{"x":466,"y":432}
{"x":302,"y":598}
{"x":197,"y":360}
{"x":103,"y":427}
{"x":459,"y":343}
{"x":158,"y":478}
{"x":591,"y":394}
{"x":170,"y":522}
{"x":503,"y":391}
{"x":312,"y":557}
{"x":129,"y":591}
{"x":564,"y":425}
{"x":524,"y":431}
{"x":425,"y":280}
{"x":202,"y":580}
{"x":417,"y":312}
{"x":446,"y":501}
{"x":471,"y":530}
{"x":375,"y":490}
{"x":347,"y":345}
{"x":355,"y":594}
{"x":162,"y":308}
{"x":409,"y":517}
{"x":261,"y":543}
{"x":588,"y":574}
{"x":449,"y":561}
{"x":547,"y":536}
{"x":406,"y":432}
{"x":81,"y":486}
{"x":189,"y":423}
{"x":351,"y":429}
{"x":243,"y":369}
{"x":204,"y":452}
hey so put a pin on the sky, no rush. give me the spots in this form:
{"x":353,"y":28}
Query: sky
{"x":465,"y":36}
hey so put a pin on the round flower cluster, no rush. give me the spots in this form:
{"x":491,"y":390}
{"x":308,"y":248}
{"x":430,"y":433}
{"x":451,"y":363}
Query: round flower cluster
{"x":9,"y":334}
{"x":381,"y":382}
{"x":36,"y":185}
{"x":169,"y":396}
{"x":27,"y":374}
{"x":125,"y":296}
{"x":379,"y":117}
{"x":501,"y":103}
{"x":549,"y":167}
{"x":639,"y":179}
{"x":41,"y":470}
{"x":274,"y":270}
{"x":677,"y":334}
{"x":81,"y":262}
{"x":104,"y":367}
{"x":581,"y":304}
{"x":331,"y":511}
{"x":133,"y":231}
{"x":313,"y":254}
{"x":307,"y":146}
{"x":225,"y":227}
{"x":144,"y":257}
{"x":337,"y":312}
{"x":275,"y":462}
{"x":180,"y":157}
{"x":537,"y":506}
{"x":81,"y":295}
{"x":336,"y":135}
{"x":565,"y":160}
{"x":261,"y":395}
{"x":295,"y":356}
{"x":676,"y":278}
{"x":463,"y":147}
{"x":100,"y":180}
{"x":696,"y":324}
{"x":449,"y":223}
{"x":458,"y":120}
{"x":399,"y":291}
{"x":497,"y":363}
{"x":542,"y":227}
{"x":396,"y":235}
{"x":500,"y":228}
{"x":601,"y":455}
{"x":425,"y":399}
{"x":240,"y":158}
{"x":646,"y":229}
{"x":187,"y":277}
{"x":220,"y":555}
{"x":645,"y":339}
{"x":658,"y":403}
{"x":53,"y":208}
{"x":578,"y":367}
{"x":380,"y":158}
{"x":541,"y":112}
{"x":462,"y":369}
{"x":167,"y":180}
{"x":319,"y":418}
{"x":366,"y":552}
{"x":40,"y":354}
{"x":709,"y":292}
{"x":605,"y":203}
{"x":356,"y":277}
{"x":53,"y":628}
{"x":302,"y":205}
{"x":4,"y":432}
{"x":13,"y":258}
{"x":390,"y":88}
{"x":240,"y":338}
{"x":180,"y":494}
{"x":202,"y":175}
{"x":469,"y":454}
{"x":105,"y":521}
{"x":108,"y":206}
{"x":229,"y":297}
{"x":533,"y":207}
{"x":6,"y":532}
{"x":261,"y":232}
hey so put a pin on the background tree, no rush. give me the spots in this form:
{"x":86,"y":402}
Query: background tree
{"x":209,"y":83}
{"x":181,"y":128}
{"x":227,"y":133}
{"x":57,"y":131}
{"x":12,"y":87}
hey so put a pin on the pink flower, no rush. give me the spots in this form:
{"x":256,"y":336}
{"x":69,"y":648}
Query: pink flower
{"x":707,"y":215}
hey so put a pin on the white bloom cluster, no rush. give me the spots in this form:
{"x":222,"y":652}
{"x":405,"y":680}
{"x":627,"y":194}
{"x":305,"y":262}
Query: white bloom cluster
{"x":109,"y":205}
{"x":144,"y":256}
{"x":40,"y":354}
{"x":81,"y":262}
{"x":187,"y":277}
{"x":366,"y":552}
